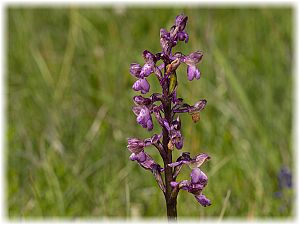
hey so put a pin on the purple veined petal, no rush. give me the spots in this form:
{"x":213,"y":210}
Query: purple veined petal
{"x":135,"y":69}
{"x":140,"y":100}
{"x":136,"y":85}
{"x":135,"y":145}
{"x":146,"y":70}
{"x":203,"y":200}
{"x":198,"y":106}
{"x":136,"y":110}
{"x":193,"y":72}
{"x":193,"y":58}
{"x":181,"y":21}
{"x":201,"y":158}
{"x":198,"y":160}
{"x":148,"y":56}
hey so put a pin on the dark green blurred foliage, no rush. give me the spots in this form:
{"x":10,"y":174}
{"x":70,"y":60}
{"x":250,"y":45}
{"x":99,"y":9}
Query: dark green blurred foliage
{"x":69,"y":101}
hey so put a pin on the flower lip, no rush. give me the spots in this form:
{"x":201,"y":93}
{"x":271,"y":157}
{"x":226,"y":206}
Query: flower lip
{"x":143,"y":116}
{"x":141,"y":85}
{"x":193,"y":72}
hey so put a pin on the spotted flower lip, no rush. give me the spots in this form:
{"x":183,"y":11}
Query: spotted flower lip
{"x":193,"y":73}
{"x":141,"y":85}
{"x":143,"y":116}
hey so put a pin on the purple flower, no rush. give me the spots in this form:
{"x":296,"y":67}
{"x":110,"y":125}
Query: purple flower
{"x":143,"y":116}
{"x":135,"y":145}
{"x":195,"y":186}
{"x":191,"y":60}
{"x":135,"y":69}
{"x":141,"y":85}
{"x":165,"y":105}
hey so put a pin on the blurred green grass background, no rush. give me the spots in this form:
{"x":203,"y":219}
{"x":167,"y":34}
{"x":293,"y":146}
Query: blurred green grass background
{"x":69,"y":101}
